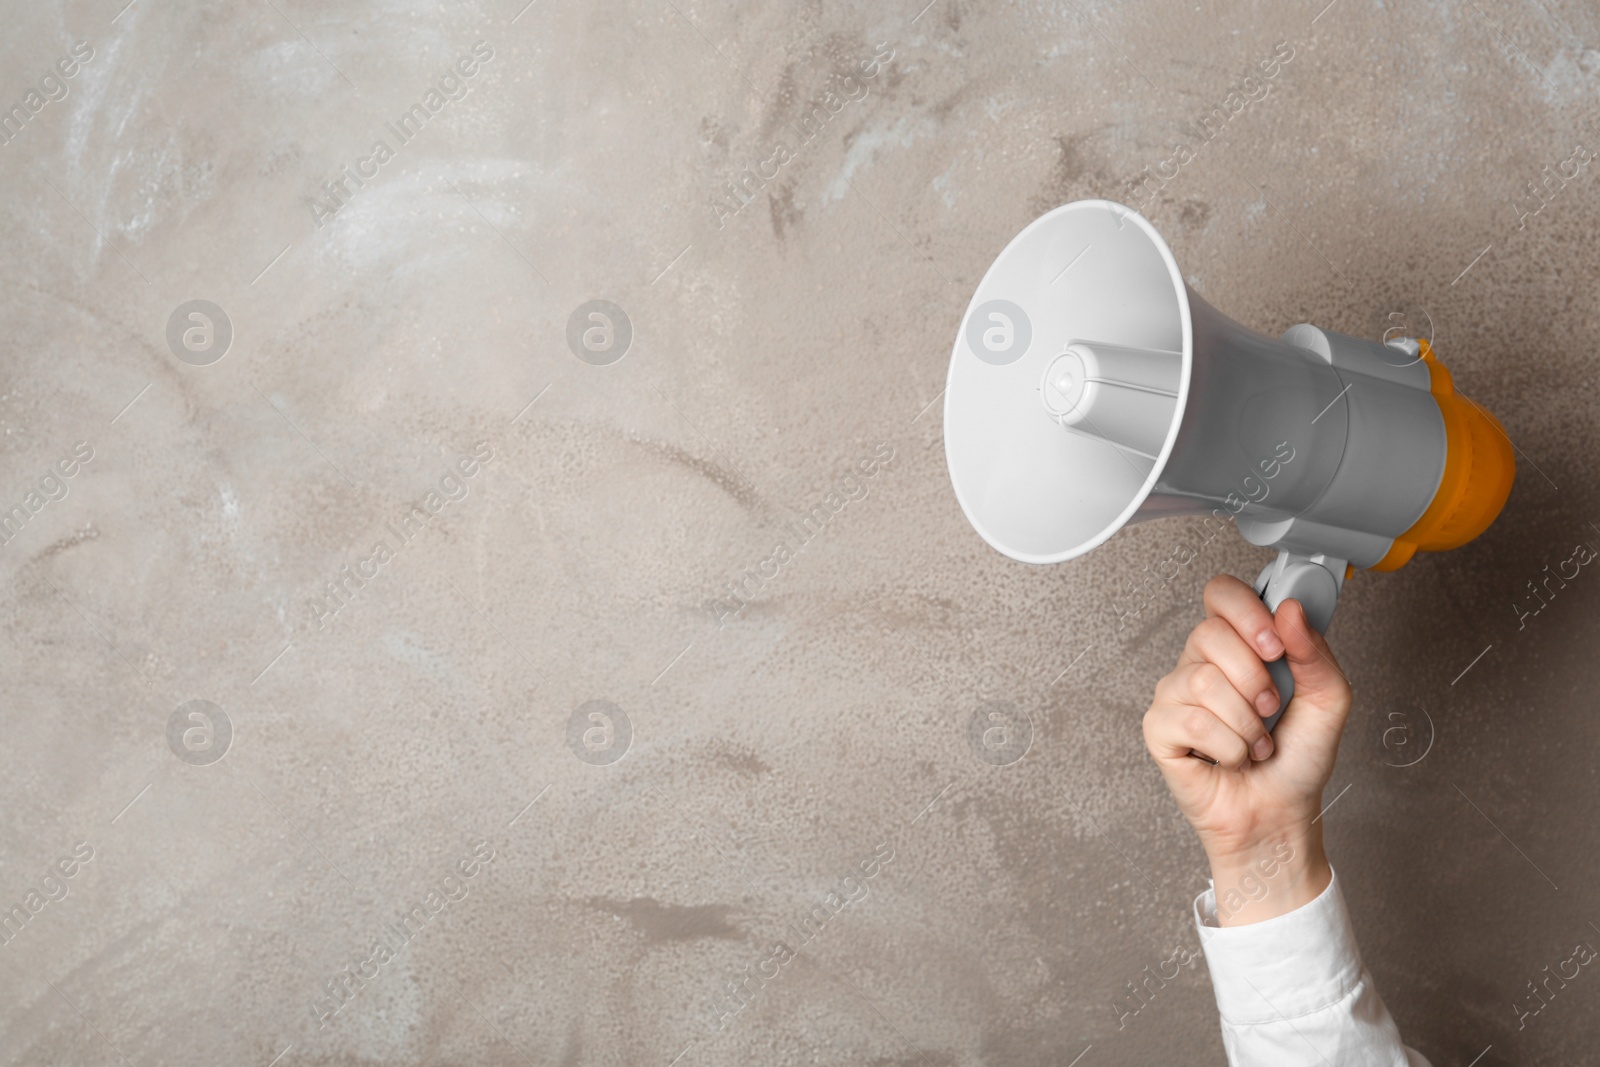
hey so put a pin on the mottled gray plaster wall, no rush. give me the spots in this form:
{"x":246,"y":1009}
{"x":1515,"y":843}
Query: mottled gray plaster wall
{"x":775,"y":346}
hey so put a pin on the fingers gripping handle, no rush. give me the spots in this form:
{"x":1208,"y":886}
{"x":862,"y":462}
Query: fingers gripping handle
{"x":1315,"y":582}
{"x":1279,"y":669}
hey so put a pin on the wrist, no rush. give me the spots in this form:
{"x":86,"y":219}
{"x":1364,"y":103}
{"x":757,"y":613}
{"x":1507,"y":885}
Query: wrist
{"x":1270,"y":876}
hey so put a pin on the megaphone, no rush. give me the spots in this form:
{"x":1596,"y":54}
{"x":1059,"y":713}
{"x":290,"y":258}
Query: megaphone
{"x":1090,"y":388}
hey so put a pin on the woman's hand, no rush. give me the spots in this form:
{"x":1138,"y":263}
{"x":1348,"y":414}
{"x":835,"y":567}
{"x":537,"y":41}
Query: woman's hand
{"x":1255,"y":809}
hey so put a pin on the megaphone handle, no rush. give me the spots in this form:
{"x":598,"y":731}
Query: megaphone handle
{"x":1284,"y":680}
{"x":1315,"y":582}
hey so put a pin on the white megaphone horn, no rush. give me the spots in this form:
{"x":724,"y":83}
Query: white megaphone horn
{"x":1090,"y":388}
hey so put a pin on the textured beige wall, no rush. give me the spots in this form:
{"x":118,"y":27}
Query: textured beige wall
{"x":783,"y":752}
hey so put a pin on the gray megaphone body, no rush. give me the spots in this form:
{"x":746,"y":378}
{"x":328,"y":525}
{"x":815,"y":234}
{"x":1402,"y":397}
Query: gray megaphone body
{"x":1090,"y":388}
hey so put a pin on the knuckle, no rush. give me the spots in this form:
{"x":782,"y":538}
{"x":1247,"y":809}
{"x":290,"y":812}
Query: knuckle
{"x":1150,"y":716}
{"x":1197,"y":723}
{"x":1257,"y":617}
{"x":1342,"y":691}
{"x":1150,"y":729}
{"x":1209,"y":681}
{"x":1260,"y":677}
{"x":1163,"y":692}
{"x":1237,"y":751}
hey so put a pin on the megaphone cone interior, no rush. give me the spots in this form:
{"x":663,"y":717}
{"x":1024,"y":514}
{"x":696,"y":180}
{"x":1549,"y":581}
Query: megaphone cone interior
{"x":1090,"y":388}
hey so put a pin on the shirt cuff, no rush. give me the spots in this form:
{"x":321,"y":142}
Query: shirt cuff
{"x":1289,"y":965}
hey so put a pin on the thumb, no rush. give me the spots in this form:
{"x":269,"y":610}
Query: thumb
{"x":1317,"y":676}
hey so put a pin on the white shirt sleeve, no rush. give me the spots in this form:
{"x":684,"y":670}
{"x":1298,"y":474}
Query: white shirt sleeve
{"x":1292,"y":989}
